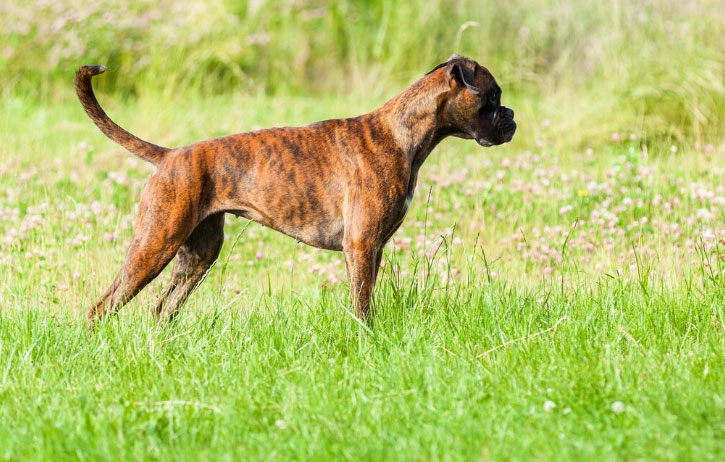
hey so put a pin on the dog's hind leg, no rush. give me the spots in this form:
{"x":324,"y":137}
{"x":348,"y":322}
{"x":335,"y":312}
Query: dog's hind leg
{"x":193,"y":260}
{"x":158,"y":233}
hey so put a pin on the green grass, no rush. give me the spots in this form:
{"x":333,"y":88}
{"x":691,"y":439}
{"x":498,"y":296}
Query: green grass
{"x":561,"y":297}
{"x":295,"y":378}
{"x":266,"y":362}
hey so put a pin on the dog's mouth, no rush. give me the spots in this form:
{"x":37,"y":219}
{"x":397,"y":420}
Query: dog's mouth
{"x":503,"y":123}
{"x":503,"y":133}
{"x":506,"y":130}
{"x":500,"y":129}
{"x":484,"y":142}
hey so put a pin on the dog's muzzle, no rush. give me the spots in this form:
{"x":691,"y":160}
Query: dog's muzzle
{"x":504,"y":123}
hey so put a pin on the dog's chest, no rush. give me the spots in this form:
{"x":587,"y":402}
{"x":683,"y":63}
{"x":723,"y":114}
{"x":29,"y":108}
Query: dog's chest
{"x":409,"y":196}
{"x":406,"y":206}
{"x":400,"y":216}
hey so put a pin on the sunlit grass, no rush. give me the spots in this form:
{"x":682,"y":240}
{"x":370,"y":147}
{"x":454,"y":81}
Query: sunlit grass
{"x":478,"y":371}
{"x":491,"y":341}
{"x":560,"y":297}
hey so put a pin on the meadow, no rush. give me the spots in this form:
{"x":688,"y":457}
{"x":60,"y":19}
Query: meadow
{"x":561,"y":297}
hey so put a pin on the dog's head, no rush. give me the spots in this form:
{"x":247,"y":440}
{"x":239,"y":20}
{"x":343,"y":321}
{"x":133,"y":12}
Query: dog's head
{"x":472,"y":105}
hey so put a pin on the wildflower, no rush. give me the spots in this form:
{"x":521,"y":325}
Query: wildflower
{"x":281,"y":424}
{"x":704,"y":214}
{"x":492,"y":274}
{"x":617,"y":407}
{"x":615,"y":137}
{"x":403,"y":243}
{"x":79,"y":240}
{"x":333,"y":278}
{"x":549,"y":406}
{"x":582,"y":193}
{"x":259,"y":255}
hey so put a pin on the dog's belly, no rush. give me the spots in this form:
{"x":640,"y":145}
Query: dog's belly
{"x":317,"y":230}
{"x":326,"y":234}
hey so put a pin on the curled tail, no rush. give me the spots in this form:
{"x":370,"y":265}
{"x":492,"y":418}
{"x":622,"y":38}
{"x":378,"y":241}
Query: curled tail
{"x":147,"y":151}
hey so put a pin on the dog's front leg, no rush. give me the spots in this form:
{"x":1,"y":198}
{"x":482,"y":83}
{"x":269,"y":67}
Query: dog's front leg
{"x":362,"y":260}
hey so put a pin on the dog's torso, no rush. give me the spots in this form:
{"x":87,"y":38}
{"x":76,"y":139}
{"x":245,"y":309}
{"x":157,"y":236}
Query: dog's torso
{"x":300,"y":181}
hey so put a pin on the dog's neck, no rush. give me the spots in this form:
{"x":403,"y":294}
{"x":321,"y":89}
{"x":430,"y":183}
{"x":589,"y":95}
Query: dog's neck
{"x":412,"y":118}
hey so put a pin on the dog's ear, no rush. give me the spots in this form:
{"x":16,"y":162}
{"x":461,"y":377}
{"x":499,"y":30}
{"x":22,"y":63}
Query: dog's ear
{"x":448,"y":61}
{"x":463,"y":72}
{"x":460,"y":69}
{"x":453,"y":56}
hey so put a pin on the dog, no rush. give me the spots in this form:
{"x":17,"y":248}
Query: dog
{"x":341,"y":184}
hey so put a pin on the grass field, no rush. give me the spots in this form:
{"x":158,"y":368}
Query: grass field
{"x":561,"y":297}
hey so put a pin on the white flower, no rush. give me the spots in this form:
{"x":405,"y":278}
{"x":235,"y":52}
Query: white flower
{"x":617,"y":407}
{"x":549,"y":406}
{"x":281,"y":424}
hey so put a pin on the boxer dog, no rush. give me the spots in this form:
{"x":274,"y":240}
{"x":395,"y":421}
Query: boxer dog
{"x":342,"y":184}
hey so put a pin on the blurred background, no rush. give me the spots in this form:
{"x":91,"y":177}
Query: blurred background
{"x":653,"y":67}
{"x":620,"y":107}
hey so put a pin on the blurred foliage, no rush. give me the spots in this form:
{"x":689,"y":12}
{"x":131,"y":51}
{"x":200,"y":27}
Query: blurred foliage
{"x":654,"y":64}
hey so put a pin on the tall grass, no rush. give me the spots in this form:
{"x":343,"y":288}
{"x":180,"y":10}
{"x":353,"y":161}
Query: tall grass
{"x":654,"y":67}
{"x":495,"y":373}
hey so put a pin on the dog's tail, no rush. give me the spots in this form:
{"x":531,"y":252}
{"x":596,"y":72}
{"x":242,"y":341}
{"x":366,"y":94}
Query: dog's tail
{"x":147,"y":151}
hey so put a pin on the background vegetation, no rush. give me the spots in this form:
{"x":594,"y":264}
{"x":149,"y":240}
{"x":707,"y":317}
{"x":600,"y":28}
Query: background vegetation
{"x":655,"y":65}
{"x":560,"y":297}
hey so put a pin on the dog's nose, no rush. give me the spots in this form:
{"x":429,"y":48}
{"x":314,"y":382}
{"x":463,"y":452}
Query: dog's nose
{"x":509,"y":113}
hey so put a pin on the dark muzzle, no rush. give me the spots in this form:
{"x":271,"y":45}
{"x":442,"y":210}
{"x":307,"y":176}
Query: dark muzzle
{"x":505,"y":124}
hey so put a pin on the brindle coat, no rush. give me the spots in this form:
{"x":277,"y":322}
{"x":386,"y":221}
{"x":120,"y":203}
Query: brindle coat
{"x":342,"y":184}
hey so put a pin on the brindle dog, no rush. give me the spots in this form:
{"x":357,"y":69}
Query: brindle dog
{"x":343,"y":184}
